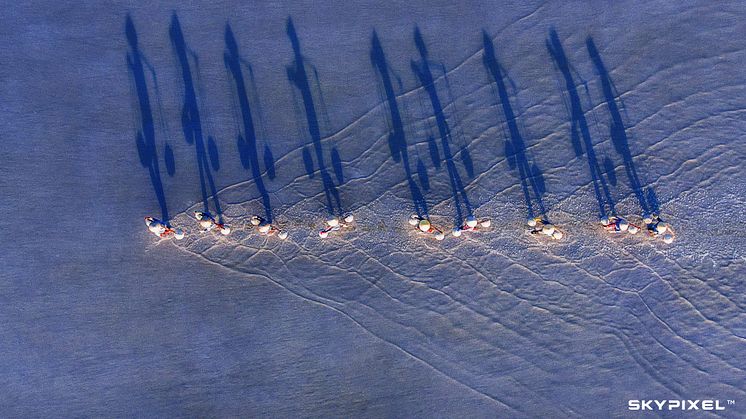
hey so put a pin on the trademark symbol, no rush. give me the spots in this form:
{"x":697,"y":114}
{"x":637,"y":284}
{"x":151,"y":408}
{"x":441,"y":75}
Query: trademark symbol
{"x":731,"y":402}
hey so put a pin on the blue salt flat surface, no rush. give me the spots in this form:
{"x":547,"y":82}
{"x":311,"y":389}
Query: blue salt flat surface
{"x":113,"y":111}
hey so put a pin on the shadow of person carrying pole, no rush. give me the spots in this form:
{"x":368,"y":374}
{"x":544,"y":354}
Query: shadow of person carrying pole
{"x":618,"y":133}
{"x":146,"y":136}
{"x":397,"y":138}
{"x":298,"y":77}
{"x":190,"y":119}
{"x":246,"y":143}
{"x":515,"y":147}
{"x":425,"y":76}
{"x":579,"y":127}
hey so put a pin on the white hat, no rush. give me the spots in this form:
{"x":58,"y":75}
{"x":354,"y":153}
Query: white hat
{"x":668,"y":238}
{"x":349,"y":218}
{"x":332,"y":221}
{"x":557,"y":235}
{"x":225,"y":230}
{"x":605,"y":220}
{"x":149,"y":221}
{"x":486,"y":223}
{"x":264,"y":227}
{"x":179,"y":234}
{"x":282,"y":235}
{"x":623,"y":225}
{"x":456,"y":232}
{"x":632,"y":229}
{"x":471,"y":221}
{"x":439,"y":235}
{"x":661,"y":228}
{"x":199,"y":215}
{"x":323,"y":233}
{"x":414,"y":220}
{"x":548,"y":229}
{"x":256,"y":220}
{"x":424,"y":225}
{"x":531,"y":222}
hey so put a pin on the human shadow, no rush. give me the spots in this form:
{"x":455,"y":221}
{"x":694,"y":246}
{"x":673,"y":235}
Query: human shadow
{"x":170,"y":160}
{"x":269,"y":162}
{"x":247,"y":147}
{"x":532,"y":180}
{"x":308,"y":162}
{"x":422,"y":175}
{"x":191,"y":122}
{"x":463,"y":152}
{"x":212,"y":152}
{"x":145,"y":138}
{"x":579,"y":127}
{"x":653,"y":201}
{"x":269,"y":159}
{"x":298,"y":77}
{"x":397,"y":137}
{"x":425,"y":76}
{"x":618,"y":131}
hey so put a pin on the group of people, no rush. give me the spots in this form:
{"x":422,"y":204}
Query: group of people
{"x":208,"y":223}
{"x":267,"y":229}
{"x":162,"y":229}
{"x":538,"y":226}
{"x":653,"y":223}
{"x":334,"y":224}
{"x":470,"y":224}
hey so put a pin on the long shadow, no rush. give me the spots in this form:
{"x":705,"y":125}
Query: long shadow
{"x":579,"y":127}
{"x":247,"y":143}
{"x":462,"y":144}
{"x":618,"y":131}
{"x":397,"y":138}
{"x":190,"y":118}
{"x":145,"y":138}
{"x":425,"y":76}
{"x":515,"y":149}
{"x":269,"y":159}
{"x":298,"y":76}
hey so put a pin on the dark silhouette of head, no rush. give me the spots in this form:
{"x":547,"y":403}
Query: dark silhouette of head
{"x":293,"y":35}
{"x":130,"y":31}
{"x":555,"y":47}
{"x":489,"y":47}
{"x":230,"y":41}
{"x":420,"y":42}
{"x":376,"y":49}
{"x":595,"y":56}
{"x":177,"y":36}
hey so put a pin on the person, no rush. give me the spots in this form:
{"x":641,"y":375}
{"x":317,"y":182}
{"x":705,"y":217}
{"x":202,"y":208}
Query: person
{"x":161,"y":229}
{"x":471,"y":225}
{"x":541,"y":226}
{"x":615,"y":224}
{"x":267,"y":229}
{"x":207,"y":222}
{"x":657,"y":228}
{"x":424,"y":225}
{"x":334,"y":224}
{"x":655,"y":224}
